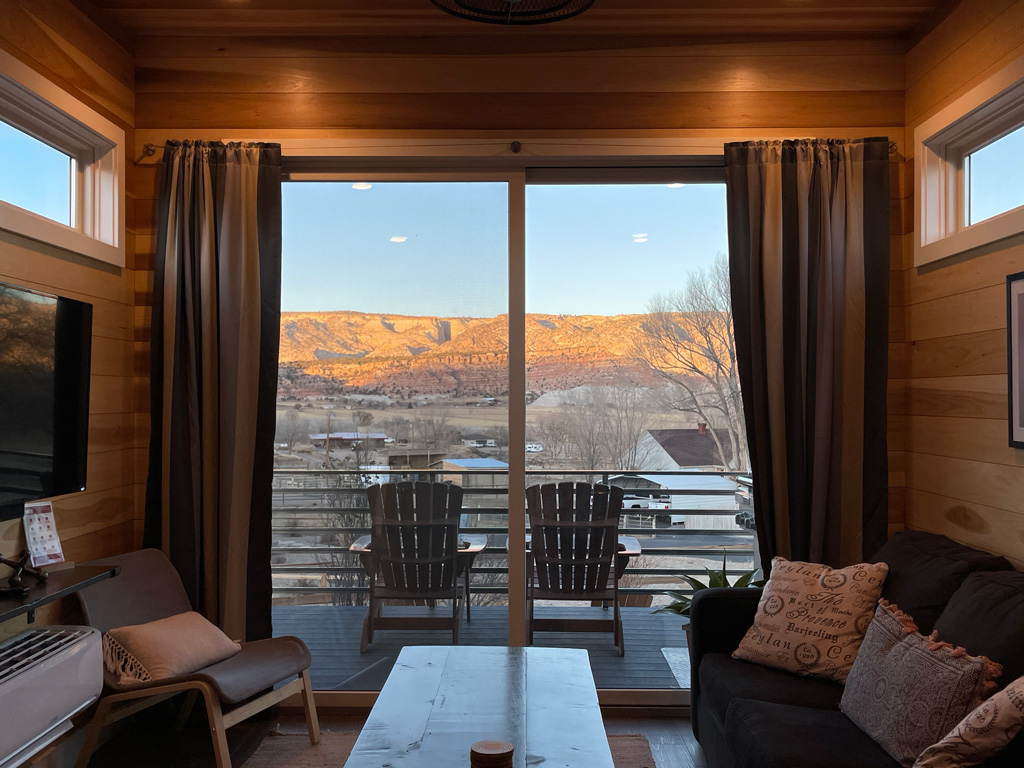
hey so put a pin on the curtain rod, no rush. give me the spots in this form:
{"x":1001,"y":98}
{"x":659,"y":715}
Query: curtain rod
{"x":149,"y":149}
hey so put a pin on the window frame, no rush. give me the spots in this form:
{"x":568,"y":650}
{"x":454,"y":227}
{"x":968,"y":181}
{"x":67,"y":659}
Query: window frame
{"x":943,"y":144}
{"x":35,"y":106}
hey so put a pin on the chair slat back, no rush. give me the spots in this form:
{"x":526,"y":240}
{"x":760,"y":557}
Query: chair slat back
{"x":415,"y":537}
{"x":574,"y":535}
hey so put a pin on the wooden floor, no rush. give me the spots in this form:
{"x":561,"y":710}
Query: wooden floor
{"x":671,"y":739}
{"x":148,"y":738}
{"x":332,"y":634}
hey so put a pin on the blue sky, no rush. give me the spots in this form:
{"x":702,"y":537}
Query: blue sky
{"x":33,"y":175}
{"x":997,"y":177}
{"x":582,"y":257}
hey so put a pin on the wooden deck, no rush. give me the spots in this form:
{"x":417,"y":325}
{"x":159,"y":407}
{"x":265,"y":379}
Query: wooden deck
{"x":332,"y":634}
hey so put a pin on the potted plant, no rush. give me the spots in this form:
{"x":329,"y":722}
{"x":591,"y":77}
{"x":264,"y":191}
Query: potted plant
{"x":681,"y":602}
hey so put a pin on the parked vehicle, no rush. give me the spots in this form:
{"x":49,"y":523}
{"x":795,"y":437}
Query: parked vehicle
{"x":534,"y":447}
{"x":630,"y":501}
{"x":745,"y":502}
{"x":688,"y":496}
{"x":744,"y":491}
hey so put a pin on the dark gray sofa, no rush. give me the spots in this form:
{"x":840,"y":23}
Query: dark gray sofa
{"x":748,"y":716}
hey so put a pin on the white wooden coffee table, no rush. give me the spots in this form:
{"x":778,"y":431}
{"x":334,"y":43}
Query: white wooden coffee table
{"x":439,"y":700}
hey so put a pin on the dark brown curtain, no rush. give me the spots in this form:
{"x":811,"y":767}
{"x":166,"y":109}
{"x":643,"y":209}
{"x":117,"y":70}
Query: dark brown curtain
{"x":809,"y":266}
{"x":215,"y":336}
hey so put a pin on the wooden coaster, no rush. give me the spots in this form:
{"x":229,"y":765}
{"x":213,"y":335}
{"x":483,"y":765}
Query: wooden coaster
{"x":491,"y":754}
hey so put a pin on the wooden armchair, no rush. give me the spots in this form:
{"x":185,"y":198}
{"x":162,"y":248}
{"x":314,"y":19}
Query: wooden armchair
{"x":415,"y":554}
{"x":573,"y":551}
{"x":148,"y":589}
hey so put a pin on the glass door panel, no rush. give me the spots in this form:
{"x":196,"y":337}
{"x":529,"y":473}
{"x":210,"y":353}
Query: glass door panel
{"x":393,"y":366}
{"x":631,"y":381}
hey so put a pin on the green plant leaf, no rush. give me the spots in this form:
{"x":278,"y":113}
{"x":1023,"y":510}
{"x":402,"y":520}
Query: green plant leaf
{"x":716,"y":579}
{"x":744,"y":580}
{"x":693,"y":582}
{"x":678,"y":596}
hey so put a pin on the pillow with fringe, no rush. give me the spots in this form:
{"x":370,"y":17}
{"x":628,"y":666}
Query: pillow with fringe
{"x":907,"y":691}
{"x":173,"y":647}
{"x":982,"y":734}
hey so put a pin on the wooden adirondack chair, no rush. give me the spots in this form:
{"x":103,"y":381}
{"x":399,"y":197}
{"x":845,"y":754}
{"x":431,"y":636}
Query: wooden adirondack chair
{"x":574,"y":541}
{"x":414,"y":548}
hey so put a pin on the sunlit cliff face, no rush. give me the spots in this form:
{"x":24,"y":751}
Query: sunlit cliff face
{"x":396,"y":354}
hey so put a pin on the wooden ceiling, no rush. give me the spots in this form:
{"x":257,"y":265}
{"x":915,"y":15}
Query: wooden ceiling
{"x":690,"y":20}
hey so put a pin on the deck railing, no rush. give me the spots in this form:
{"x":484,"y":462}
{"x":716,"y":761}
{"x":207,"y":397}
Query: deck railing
{"x":318,"y":514}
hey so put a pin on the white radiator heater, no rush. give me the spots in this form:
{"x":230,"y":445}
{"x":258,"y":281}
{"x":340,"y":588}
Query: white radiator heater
{"x":46,"y":676}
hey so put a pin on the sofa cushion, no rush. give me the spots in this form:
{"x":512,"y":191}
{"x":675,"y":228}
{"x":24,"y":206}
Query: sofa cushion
{"x":723,"y":678}
{"x":925,"y":569}
{"x":812,"y":618}
{"x":986,"y":616}
{"x":907,"y":691}
{"x":767,"y":735}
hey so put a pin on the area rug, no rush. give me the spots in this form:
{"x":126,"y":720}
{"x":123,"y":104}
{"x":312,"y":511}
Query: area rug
{"x":295,"y":751}
{"x":679,"y":662}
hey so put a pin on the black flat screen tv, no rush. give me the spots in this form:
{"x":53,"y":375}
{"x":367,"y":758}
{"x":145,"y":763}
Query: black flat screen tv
{"x":45,"y":347}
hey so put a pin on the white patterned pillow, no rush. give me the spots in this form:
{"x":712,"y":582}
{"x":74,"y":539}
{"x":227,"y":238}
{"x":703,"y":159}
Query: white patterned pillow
{"x":811,"y":618}
{"x":982,"y":734}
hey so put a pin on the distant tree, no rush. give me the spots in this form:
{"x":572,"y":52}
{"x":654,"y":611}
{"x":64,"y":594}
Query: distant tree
{"x":432,"y":428}
{"x":687,"y":339}
{"x":396,"y":427}
{"x":362,"y":419}
{"x":628,"y":412}
{"x":290,"y":429}
{"x":604,"y":425}
{"x":553,"y":432}
{"x":583,"y":411}
{"x":498,"y":434}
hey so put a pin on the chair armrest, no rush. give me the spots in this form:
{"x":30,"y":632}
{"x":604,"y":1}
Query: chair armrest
{"x":719,"y":618}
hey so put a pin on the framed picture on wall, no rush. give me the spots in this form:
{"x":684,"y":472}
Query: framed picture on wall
{"x":1015,"y":356}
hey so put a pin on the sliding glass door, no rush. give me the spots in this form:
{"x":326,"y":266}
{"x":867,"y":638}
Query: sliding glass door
{"x":497,"y":331}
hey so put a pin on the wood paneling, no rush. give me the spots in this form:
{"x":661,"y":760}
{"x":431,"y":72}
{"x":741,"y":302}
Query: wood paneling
{"x":986,"y":34}
{"x":979,"y":397}
{"x":522,"y":45}
{"x":57,"y":40}
{"x":595,"y":73}
{"x":705,"y":18}
{"x":969,"y":354}
{"x":963,"y":479}
{"x":518,"y":111}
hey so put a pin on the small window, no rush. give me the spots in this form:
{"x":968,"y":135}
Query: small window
{"x":995,"y":177}
{"x":969,"y":158}
{"x":34,"y":175}
{"x":62,"y":167}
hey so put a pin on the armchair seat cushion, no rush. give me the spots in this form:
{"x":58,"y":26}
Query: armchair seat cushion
{"x":258,"y":666}
{"x":723,"y":679}
{"x":763,"y":734}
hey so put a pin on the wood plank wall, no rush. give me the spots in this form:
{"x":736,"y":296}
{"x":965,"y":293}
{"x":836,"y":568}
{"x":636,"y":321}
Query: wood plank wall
{"x":961,"y":477}
{"x":56,"y":40}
